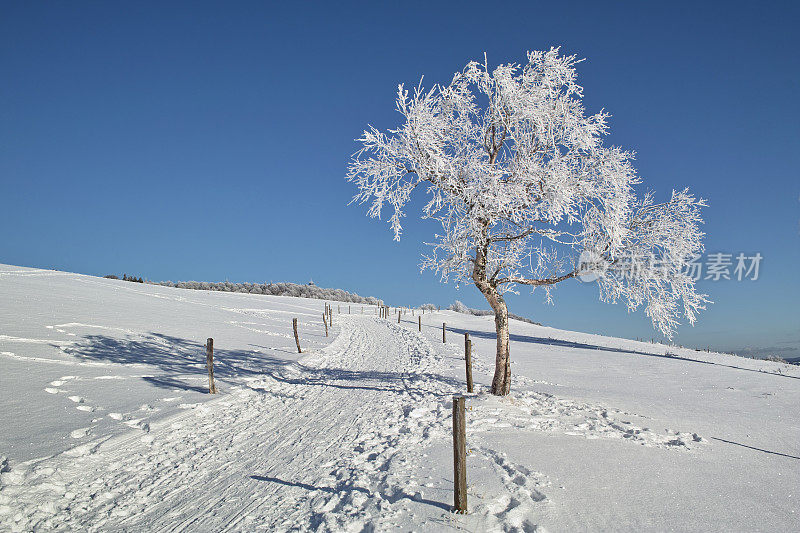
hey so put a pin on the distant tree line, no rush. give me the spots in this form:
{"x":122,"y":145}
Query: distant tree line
{"x":275,"y":289}
{"x":459,"y":307}
{"x":125,"y":277}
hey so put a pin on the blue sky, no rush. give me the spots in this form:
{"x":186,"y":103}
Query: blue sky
{"x":209,"y":141}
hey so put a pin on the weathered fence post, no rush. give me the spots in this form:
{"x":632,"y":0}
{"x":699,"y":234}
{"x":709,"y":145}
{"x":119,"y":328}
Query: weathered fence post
{"x":444,"y":332}
{"x":326,"y":325}
{"x":398,"y":317}
{"x":468,"y":357}
{"x":459,"y":456}
{"x":212,"y":388}
{"x":296,"y":338}
{"x":420,"y":322}
{"x":466,"y":341}
{"x":348,"y":309}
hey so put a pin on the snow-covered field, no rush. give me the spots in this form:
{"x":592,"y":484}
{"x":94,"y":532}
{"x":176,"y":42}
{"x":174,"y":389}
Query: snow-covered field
{"x":107,"y":425}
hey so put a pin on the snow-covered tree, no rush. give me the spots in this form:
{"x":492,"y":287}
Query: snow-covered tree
{"x":525,"y":191}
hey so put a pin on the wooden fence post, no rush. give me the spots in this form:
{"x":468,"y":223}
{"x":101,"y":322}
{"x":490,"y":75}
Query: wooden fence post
{"x":459,"y":456}
{"x":468,"y":357}
{"x":326,"y":325}
{"x":398,"y":317}
{"x":420,"y":322}
{"x":444,"y":332}
{"x":466,"y":341}
{"x":296,"y":338}
{"x":212,"y":388}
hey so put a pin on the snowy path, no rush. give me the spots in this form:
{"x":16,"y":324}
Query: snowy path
{"x":328,"y":441}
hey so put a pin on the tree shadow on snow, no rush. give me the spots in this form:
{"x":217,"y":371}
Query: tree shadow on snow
{"x":530,"y":339}
{"x":181,"y":360}
{"x":178,"y":358}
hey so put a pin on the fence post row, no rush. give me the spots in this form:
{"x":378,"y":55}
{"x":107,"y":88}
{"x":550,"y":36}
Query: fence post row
{"x":459,"y":456}
{"x":212,"y":388}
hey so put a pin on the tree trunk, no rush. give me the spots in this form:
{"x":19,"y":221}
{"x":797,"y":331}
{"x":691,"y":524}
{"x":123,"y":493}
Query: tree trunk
{"x":501,"y":383}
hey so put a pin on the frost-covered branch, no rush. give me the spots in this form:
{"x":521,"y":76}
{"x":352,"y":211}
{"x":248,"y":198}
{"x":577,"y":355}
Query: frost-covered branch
{"x":516,"y":173}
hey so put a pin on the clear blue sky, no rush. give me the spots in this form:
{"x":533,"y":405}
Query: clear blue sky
{"x":209,"y":141}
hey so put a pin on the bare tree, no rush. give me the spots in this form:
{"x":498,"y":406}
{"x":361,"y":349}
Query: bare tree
{"x":524,"y":189}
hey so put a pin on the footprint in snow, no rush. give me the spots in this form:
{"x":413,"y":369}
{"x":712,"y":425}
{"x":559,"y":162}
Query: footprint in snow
{"x":80,"y":433}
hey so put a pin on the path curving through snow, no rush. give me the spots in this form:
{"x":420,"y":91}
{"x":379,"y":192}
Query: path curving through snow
{"x":328,"y":442}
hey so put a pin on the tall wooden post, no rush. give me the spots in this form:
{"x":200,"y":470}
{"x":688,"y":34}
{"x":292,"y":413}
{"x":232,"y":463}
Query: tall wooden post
{"x":296,"y":338}
{"x":444,"y":332}
{"x":398,"y":317}
{"x":466,"y":341}
{"x":468,"y":357}
{"x":459,"y":456}
{"x":420,"y":322}
{"x":212,"y":388}
{"x":326,"y":325}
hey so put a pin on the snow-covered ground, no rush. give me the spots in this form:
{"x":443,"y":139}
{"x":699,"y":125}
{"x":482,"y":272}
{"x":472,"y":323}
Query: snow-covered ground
{"x":108,"y":426}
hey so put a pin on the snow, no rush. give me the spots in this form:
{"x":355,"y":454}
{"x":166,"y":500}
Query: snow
{"x":108,"y":424}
